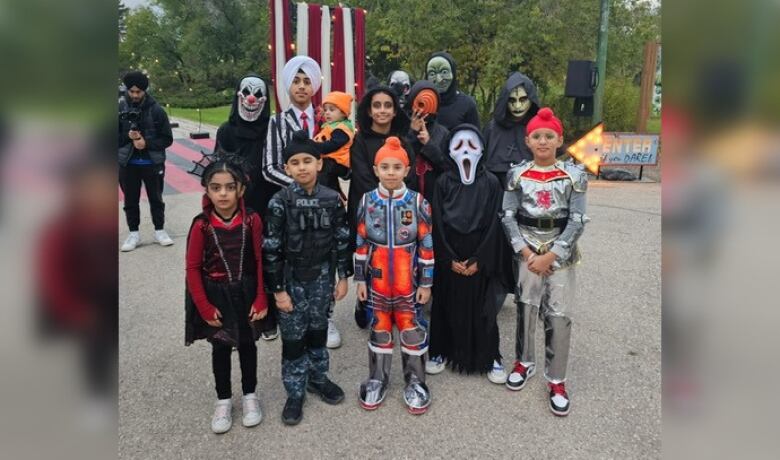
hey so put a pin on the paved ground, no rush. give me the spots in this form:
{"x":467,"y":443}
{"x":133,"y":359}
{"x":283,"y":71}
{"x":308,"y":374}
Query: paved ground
{"x":166,"y":391}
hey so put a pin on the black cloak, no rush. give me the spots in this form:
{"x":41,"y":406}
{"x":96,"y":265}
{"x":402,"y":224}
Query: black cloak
{"x":466,"y":227}
{"x":247,"y":140}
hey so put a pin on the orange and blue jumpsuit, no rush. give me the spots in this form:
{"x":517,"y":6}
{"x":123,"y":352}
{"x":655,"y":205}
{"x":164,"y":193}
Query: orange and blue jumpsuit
{"x":394,"y":257}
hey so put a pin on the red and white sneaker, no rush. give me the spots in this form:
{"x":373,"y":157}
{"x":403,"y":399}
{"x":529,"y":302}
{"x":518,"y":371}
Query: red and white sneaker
{"x":519,"y":376}
{"x":559,"y":400}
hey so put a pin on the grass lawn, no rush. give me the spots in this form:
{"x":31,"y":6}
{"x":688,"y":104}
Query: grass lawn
{"x":654,"y":125}
{"x":212,"y":115}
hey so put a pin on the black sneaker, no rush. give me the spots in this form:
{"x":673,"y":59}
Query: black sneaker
{"x":293,"y":411}
{"x":327,"y":390}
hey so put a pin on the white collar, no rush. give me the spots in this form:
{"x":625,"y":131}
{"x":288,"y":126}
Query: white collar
{"x":396,"y":193}
{"x":310,"y":112}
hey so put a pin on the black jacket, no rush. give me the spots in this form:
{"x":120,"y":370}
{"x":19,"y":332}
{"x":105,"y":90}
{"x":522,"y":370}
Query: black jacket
{"x":155,"y":128}
{"x":455,"y":108}
{"x":504,"y":136}
{"x":435,"y":152}
{"x":363,"y":151}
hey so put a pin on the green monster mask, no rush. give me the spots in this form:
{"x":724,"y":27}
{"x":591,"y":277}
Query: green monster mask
{"x":439,"y":73}
{"x":519,"y":103}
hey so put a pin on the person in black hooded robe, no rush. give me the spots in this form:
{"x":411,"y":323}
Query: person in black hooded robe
{"x":504,"y":135}
{"x":505,"y":146}
{"x":467,"y":232}
{"x":455,"y":107}
{"x":244,"y":134}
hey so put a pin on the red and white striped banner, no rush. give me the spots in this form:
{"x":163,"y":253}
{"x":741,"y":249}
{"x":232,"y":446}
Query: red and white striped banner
{"x":343,"y":66}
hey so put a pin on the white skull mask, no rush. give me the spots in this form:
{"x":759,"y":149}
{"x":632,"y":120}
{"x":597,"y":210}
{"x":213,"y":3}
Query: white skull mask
{"x":251,"y":98}
{"x":466,"y":150}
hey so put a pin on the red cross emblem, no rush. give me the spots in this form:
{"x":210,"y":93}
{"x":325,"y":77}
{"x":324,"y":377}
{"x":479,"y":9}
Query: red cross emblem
{"x":544,"y":199}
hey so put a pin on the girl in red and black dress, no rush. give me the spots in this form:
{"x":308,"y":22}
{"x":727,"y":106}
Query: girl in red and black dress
{"x":225,"y":295}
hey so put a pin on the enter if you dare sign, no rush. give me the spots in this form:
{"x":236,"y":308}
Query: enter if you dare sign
{"x":629,"y":149}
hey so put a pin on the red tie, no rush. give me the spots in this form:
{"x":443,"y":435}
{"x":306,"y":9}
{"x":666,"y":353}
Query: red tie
{"x":305,"y":122}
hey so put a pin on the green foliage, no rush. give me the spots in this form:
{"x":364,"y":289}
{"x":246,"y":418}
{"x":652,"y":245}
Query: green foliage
{"x":207,"y":44}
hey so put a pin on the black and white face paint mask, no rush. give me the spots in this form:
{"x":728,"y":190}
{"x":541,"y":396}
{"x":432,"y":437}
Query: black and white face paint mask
{"x":251,"y":98}
{"x":466,"y":150}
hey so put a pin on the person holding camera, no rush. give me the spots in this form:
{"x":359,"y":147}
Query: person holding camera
{"x":144,"y":134}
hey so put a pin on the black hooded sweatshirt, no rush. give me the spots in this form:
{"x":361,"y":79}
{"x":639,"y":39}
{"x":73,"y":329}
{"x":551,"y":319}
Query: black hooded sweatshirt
{"x":247,"y":140}
{"x":432,"y":159}
{"x":455,"y":107}
{"x":363,"y":151}
{"x":504,"y":136}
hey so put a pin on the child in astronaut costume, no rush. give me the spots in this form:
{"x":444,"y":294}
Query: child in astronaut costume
{"x":543,"y":216}
{"x":394,"y":271}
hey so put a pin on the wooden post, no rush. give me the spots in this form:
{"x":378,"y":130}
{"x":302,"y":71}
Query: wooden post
{"x":647,"y":87}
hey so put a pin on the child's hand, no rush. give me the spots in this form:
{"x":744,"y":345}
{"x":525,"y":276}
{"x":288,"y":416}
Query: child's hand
{"x":418,"y":121}
{"x":256,"y":316}
{"x":526,"y":253}
{"x":423,"y":295}
{"x":458,"y":267}
{"x":471,"y":269}
{"x":341,"y":289}
{"x":283,"y":301}
{"x":215,"y":322}
{"x":541,"y":264}
{"x":423,"y":136}
{"x":362,"y":292}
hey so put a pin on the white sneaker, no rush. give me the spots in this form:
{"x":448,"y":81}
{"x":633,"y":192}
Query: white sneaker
{"x":334,"y":337}
{"x":223,"y":416}
{"x":131,"y":242}
{"x":161,"y":236}
{"x":435,"y":365}
{"x":497,"y":375}
{"x":251,"y":410}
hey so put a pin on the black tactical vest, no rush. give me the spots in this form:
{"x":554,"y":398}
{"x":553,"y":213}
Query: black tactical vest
{"x":310,"y":231}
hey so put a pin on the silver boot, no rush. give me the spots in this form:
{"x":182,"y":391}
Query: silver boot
{"x":374,"y":389}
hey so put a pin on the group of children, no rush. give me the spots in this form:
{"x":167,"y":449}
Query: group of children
{"x":301,"y":252}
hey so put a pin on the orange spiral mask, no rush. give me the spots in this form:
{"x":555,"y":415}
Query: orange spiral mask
{"x":426,"y":101}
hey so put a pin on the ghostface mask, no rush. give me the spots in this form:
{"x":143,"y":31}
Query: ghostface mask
{"x":466,"y":150}
{"x":251,"y":98}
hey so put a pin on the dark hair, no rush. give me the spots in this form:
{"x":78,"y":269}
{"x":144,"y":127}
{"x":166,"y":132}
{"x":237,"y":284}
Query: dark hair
{"x":228,"y":165}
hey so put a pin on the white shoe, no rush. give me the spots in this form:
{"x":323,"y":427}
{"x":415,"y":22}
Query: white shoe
{"x":223,"y":416}
{"x":435,"y":365}
{"x":497,"y":375}
{"x":161,"y":236}
{"x":334,"y":337}
{"x":251,"y":410}
{"x":131,"y":242}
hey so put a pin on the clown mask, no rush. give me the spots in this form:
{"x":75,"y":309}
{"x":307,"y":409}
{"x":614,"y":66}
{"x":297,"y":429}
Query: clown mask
{"x":519,"y":103}
{"x":439,"y":72}
{"x":466,"y":150}
{"x":251,"y":98}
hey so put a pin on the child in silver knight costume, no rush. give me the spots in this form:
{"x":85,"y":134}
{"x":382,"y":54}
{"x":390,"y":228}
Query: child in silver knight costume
{"x":544,"y":216}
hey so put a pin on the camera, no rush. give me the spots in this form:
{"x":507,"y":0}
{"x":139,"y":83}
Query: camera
{"x":133,"y":117}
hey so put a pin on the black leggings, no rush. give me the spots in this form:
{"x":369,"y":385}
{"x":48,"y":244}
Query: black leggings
{"x":220,"y":363}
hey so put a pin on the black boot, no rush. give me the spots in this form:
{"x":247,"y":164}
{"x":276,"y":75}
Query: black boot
{"x":293,"y":411}
{"x":327,"y":390}
{"x":361,"y":315}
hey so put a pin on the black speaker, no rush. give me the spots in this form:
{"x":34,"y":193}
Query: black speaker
{"x":583,"y":106}
{"x":580,"y":79}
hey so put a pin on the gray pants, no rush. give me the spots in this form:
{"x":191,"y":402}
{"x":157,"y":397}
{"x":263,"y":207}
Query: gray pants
{"x":554,"y":295}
